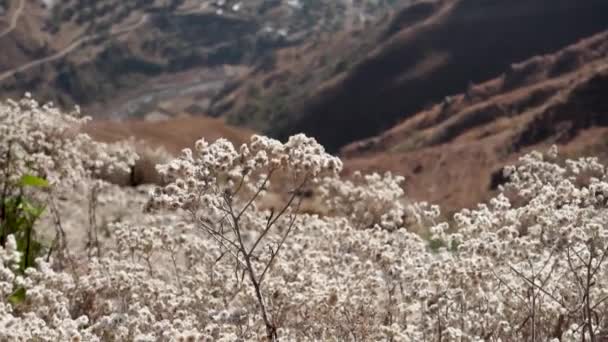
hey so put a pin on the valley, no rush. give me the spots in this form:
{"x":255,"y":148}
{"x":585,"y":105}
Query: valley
{"x":411,"y":87}
{"x":304,"y":170}
{"x":88,"y":53}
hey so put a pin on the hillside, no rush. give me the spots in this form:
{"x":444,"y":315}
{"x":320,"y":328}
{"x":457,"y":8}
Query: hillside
{"x":206,"y":257}
{"x":390,"y":71}
{"x":453,"y":152}
{"x":461,"y":195}
{"x":90,"y":52}
{"x":422,"y":70}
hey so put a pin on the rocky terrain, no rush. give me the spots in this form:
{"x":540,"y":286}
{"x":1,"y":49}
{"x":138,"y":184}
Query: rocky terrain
{"x":90,"y":52}
{"x":443,"y":92}
{"x":392,"y":70}
{"x":453,"y":152}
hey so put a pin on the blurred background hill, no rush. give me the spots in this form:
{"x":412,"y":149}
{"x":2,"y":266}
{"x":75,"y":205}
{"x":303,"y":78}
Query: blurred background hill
{"x":444,"y":92}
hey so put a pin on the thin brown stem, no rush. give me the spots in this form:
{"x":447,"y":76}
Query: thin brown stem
{"x":273,"y":219}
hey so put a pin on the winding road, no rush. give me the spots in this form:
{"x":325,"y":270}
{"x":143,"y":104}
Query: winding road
{"x":14,"y":19}
{"x":75,"y":44}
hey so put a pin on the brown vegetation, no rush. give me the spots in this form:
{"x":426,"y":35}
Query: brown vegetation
{"x":452,"y":153}
{"x":424,"y":53}
{"x":156,"y":142}
{"x":172,"y":134}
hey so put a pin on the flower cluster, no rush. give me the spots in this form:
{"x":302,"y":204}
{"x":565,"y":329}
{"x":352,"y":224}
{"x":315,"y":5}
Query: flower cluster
{"x":210,"y":260}
{"x":44,"y":141}
{"x":367,"y":200}
{"x":219,"y":168}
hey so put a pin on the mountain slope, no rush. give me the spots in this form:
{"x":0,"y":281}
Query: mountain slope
{"x":86,"y":52}
{"x":427,"y":51}
{"x":453,"y":152}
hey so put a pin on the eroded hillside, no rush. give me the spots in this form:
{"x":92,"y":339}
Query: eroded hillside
{"x":87,"y":52}
{"x":424,"y":53}
{"x":453,"y":152}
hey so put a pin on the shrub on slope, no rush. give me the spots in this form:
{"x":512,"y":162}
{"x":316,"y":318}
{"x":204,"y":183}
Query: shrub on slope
{"x":207,"y":262}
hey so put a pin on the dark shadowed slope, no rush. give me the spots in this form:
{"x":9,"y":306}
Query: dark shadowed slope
{"x":428,"y":51}
{"x":452,"y":153}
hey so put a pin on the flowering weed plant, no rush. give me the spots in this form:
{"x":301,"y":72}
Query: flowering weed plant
{"x":205,"y":258}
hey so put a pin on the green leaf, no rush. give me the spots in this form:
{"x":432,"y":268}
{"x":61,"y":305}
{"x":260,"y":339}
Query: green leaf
{"x":17,"y":297}
{"x":454,"y":246}
{"x":35,"y":250}
{"x":33,"y":181}
{"x":33,"y":210}
{"x":436,"y":244}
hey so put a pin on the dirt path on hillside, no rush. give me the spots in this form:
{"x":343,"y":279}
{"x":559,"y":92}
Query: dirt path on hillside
{"x":75,"y":44}
{"x":14,"y":19}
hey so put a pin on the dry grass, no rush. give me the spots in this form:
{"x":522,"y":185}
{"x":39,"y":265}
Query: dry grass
{"x":157,"y":142}
{"x":173,"y":134}
{"x":450,"y":152}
